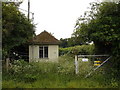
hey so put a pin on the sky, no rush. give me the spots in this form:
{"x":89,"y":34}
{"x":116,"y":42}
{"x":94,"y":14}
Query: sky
{"x":57,"y":17}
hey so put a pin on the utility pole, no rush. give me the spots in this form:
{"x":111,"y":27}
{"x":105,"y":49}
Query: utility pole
{"x":27,"y":12}
{"x":28,"y":9}
{"x":28,"y":20}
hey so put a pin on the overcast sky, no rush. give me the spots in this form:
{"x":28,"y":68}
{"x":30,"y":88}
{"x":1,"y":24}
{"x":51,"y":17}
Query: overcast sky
{"x":56,"y":16}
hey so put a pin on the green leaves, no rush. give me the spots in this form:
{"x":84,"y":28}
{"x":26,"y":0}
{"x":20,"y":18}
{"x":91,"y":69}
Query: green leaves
{"x":80,"y":49}
{"x":101,"y":27}
{"x":16,"y":27}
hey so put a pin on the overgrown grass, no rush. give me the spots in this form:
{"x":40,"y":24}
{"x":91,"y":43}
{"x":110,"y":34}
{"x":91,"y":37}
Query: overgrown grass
{"x":55,"y":75}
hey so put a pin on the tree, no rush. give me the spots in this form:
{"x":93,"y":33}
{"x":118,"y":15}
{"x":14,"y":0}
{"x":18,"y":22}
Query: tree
{"x":81,"y":35}
{"x":104,"y":30}
{"x":69,"y":42}
{"x":16,"y":29}
{"x":102,"y":27}
{"x":63,"y":42}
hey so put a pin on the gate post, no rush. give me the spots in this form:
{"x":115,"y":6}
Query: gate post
{"x":76,"y":64}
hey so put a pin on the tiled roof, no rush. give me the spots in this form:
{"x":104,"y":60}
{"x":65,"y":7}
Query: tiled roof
{"x":44,"y":38}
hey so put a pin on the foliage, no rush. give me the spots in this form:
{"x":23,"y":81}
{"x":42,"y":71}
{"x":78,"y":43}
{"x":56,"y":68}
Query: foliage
{"x":55,"y":75}
{"x":16,"y":27}
{"x":107,"y":24}
{"x":73,"y":41}
{"x":82,"y":49}
{"x":66,"y":65}
{"x":20,"y":52}
{"x":63,"y":42}
{"x":81,"y":33}
{"x":101,"y":25}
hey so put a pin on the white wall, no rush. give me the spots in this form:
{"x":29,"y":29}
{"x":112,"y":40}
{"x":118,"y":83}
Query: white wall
{"x":53,"y":53}
{"x":33,"y":53}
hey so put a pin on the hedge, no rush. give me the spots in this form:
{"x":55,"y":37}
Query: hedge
{"x":81,"y":49}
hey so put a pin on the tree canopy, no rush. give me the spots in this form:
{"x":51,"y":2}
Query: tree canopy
{"x":101,"y":25}
{"x":16,"y":29}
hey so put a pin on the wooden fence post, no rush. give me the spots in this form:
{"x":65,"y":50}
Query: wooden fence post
{"x":7,"y":64}
{"x":76,"y":65}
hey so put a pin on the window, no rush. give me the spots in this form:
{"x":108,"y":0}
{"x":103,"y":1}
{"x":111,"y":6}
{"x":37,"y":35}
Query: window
{"x":43,"y":52}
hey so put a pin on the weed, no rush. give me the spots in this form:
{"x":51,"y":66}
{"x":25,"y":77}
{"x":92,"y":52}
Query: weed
{"x":55,"y":75}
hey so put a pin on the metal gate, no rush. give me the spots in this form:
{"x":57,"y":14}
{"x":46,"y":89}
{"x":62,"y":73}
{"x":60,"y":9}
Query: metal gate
{"x":99,"y":63}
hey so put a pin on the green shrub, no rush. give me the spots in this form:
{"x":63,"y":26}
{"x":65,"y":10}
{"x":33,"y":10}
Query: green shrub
{"x":20,"y":67}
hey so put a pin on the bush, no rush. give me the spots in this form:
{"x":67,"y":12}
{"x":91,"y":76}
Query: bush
{"x":20,"y":67}
{"x":20,"y":71}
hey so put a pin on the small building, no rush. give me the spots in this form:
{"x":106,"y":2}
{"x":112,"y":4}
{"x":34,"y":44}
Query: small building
{"x":44,"y":47}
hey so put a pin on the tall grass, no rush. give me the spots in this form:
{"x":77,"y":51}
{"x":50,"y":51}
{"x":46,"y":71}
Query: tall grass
{"x":54,"y":75}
